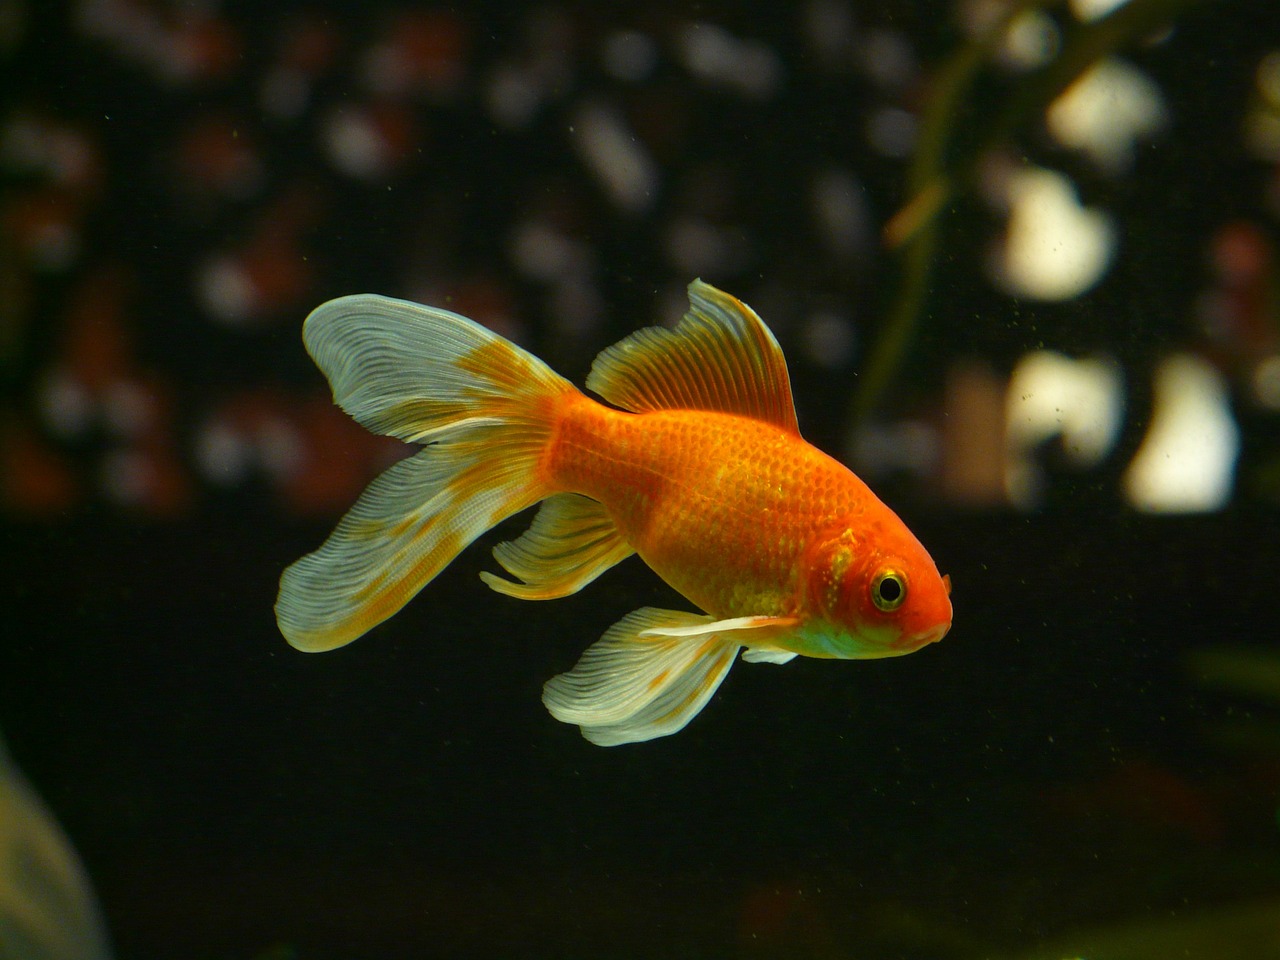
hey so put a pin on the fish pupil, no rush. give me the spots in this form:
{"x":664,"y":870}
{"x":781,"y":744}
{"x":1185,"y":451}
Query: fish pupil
{"x":888,"y":591}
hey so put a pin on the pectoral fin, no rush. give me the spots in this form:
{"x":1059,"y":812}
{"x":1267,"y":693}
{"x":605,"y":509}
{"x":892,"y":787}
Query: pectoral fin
{"x":767,"y":655}
{"x":650,"y":674}
{"x":629,"y":686}
{"x":734,"y":624}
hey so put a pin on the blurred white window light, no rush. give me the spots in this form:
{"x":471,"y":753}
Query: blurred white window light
{"x":840,"y":209}
{"x":1268,"y":77}
{"x":1266,"y":382}
{"x":1053,"y":248}
{"x":1262,"y":123}
{"x":1187,"y":461}
{"x":891,"y":131}
{"x":1050,"y":394}
{"x":1031,"y":41}
{"x":1088,"y":10}
{"x":717,"y":57}
{"x":513,"y":94}
{"x":629,"y":55}
{"x":357,"y":144}
{"x":698,"y":247}
{"x":1105,"y":112}
{"x":610,"y":150}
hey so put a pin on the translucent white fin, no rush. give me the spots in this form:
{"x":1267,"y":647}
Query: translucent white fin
{"x":487,"y":409}
{"x":405,"y":528}
{"x":412,"y":371}
{"x":47,"y":907}
{"x":634,"y":684}
{"x":571,"y":542}
{"x":767,"y":655}
{"x":772,"y":624}
{"x":720,"y":357}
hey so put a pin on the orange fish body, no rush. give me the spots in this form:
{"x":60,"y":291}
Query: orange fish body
{"x":732,"y":512}
{"x":701,"y":471}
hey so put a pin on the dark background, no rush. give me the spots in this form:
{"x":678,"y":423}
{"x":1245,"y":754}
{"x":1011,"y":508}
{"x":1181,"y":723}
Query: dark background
{"x":1053,"y":766}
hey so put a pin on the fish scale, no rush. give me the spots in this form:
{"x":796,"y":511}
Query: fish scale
{"x":686,"y":489}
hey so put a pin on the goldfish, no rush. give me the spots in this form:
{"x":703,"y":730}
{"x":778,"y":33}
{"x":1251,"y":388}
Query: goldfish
{"x":694,"y":461}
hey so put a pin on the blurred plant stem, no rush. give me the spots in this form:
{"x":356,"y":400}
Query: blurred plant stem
{"x":913,"y":230}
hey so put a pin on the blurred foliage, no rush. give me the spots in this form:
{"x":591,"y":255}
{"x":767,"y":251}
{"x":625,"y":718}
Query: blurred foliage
{"x":937,"y":178}
{"x":1248,"y":931}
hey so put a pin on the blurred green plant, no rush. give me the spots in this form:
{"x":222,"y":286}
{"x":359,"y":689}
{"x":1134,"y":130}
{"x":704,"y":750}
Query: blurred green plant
{"x":1248,"y":931}
{"x":935,"y":179}
{"x":1249,"y":672}
{"x":1246,"y":670}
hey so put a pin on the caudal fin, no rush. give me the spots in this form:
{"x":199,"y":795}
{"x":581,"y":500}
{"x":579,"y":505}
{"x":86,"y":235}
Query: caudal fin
{"x":484,"y":407}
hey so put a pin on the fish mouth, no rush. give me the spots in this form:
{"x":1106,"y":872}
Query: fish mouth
{"x":924,"y":639}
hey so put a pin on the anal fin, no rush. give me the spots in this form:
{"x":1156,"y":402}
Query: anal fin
{"x":571,"y":542}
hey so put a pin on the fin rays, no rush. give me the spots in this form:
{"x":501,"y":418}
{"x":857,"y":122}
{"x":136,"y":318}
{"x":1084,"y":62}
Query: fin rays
{"x":406,"y":527}
{"x":413,"y":371}
{"x":629,"y":687}
{"x":720,"y":357}
{"x":652,"y":672}
{"x":488,"y":411}
{"x":571,"y":542}
{"x":485,"y":407}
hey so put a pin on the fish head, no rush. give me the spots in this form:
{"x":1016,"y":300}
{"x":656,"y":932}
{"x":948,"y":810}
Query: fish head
{"x":880,"y":587}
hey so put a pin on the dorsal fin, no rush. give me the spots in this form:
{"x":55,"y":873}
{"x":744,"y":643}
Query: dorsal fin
{"x":720,"y":357}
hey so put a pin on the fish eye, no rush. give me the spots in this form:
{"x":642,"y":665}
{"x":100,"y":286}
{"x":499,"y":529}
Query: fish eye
{"x":889,"y":590}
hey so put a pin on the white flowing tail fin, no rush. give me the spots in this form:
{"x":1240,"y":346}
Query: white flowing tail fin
{"x":484,"y":408}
